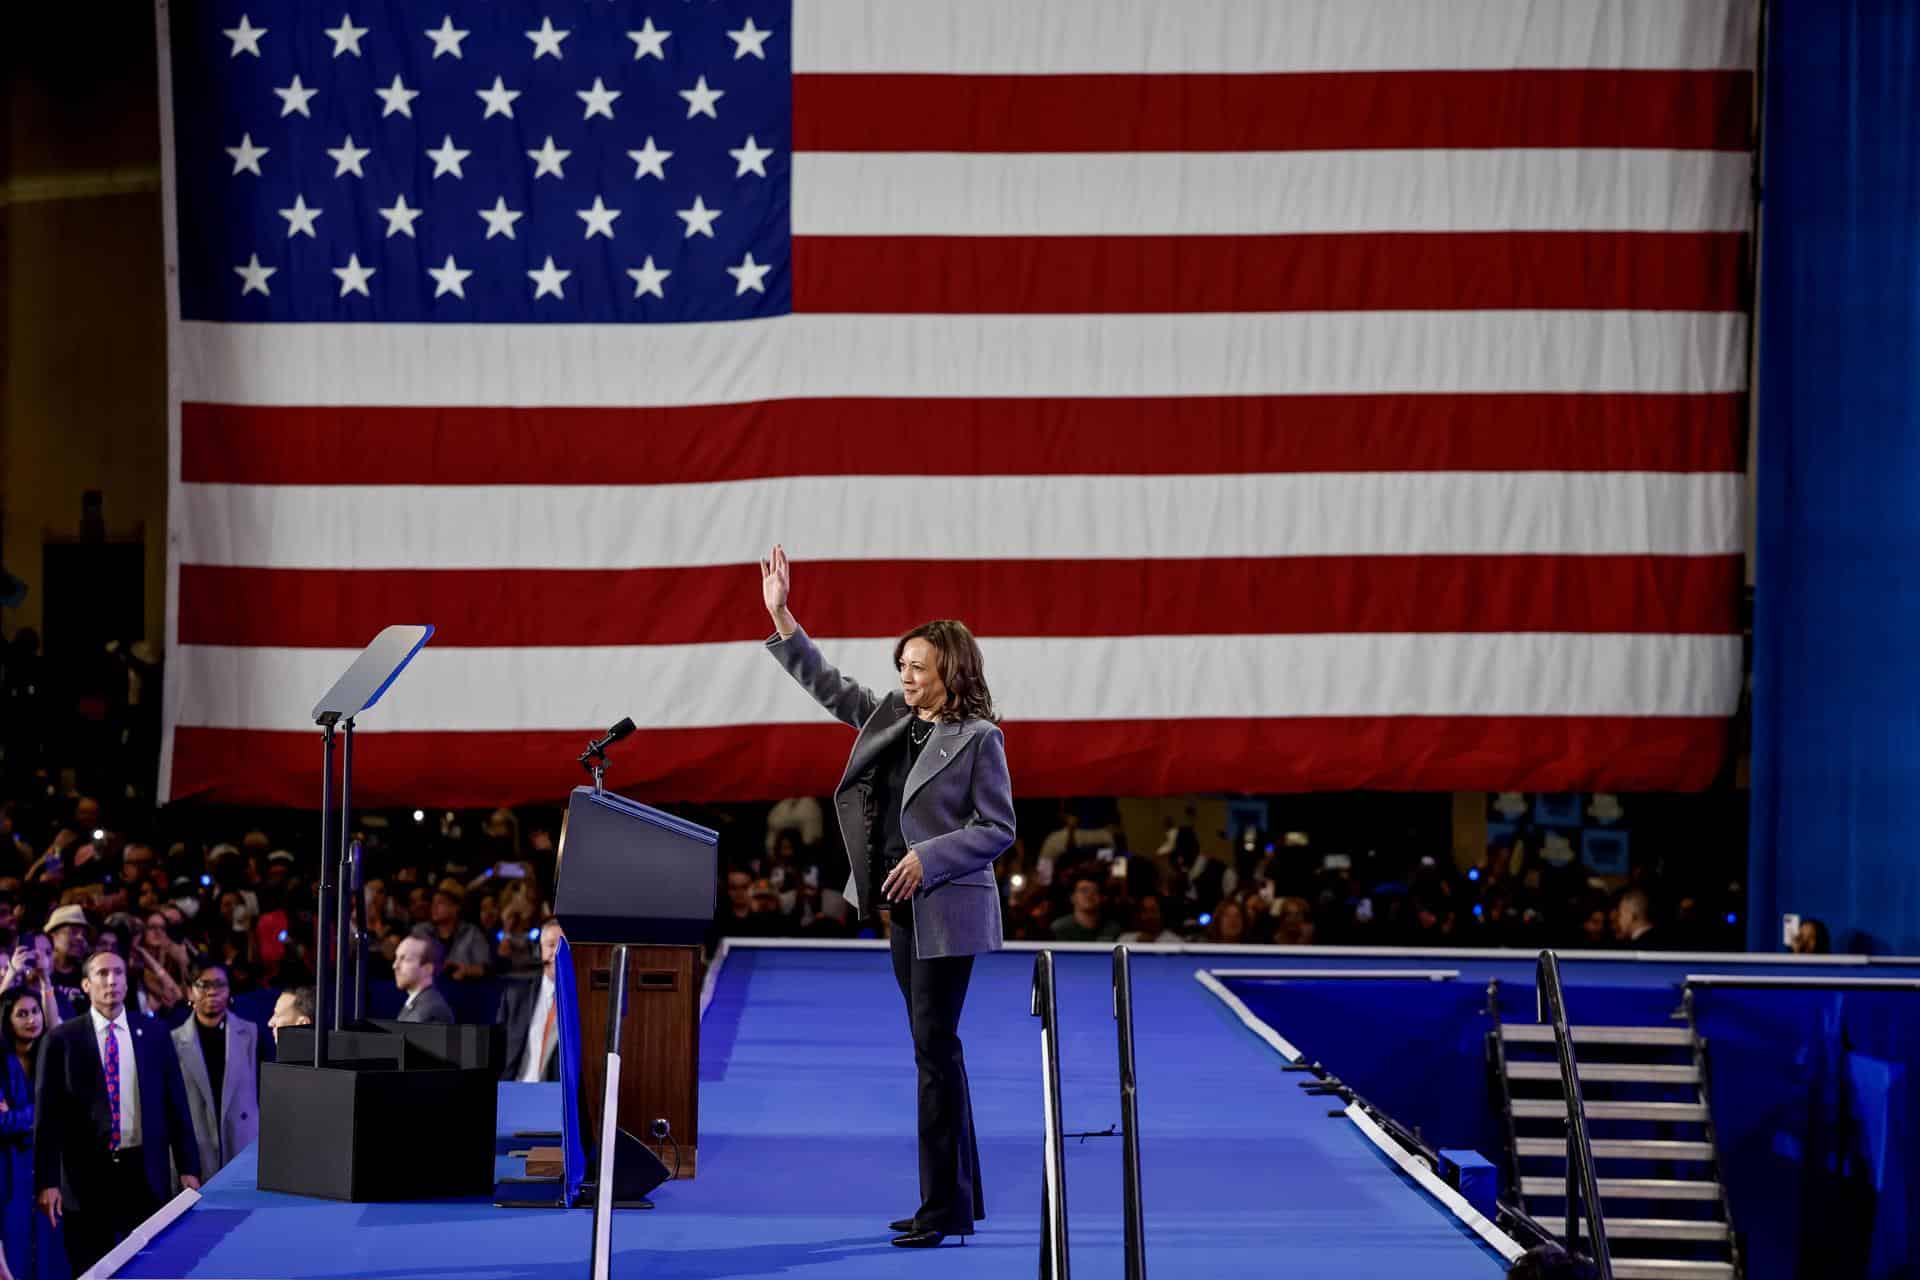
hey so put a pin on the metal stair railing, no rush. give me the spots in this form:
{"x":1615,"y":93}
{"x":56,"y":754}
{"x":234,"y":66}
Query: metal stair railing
{"x":1053,"y":1180}
{"x":1582,"y":1185}
{"x":1136,"y":1232}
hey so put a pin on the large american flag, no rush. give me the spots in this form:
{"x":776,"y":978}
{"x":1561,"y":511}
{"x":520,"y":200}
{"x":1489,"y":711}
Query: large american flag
{"x":1291,"y":393}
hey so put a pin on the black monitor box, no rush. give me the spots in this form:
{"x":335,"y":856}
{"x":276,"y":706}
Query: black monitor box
{"x":631,"y":874}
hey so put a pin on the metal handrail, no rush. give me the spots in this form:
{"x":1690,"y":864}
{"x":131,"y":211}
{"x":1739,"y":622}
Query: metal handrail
{"x":1053,"y":1180}
{"x":1136,"y":1231}
{"x":1581,"y":1183}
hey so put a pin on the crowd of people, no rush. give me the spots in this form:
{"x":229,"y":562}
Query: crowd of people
{"x":1080,"y":883}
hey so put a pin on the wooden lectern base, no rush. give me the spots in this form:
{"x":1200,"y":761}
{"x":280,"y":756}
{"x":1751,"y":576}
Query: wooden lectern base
{"x":659,"y":1044}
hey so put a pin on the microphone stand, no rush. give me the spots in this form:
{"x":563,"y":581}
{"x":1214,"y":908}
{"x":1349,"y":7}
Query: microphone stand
{"x":601,"y":1249}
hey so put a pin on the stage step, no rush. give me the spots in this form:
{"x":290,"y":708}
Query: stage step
{"x":1541,"y":1033}
{"x":1670,"y":1269}
{"x":1666,"y":1086}
{"x":1665,"y":1229}
{"x":1615,"y":1072}
{"x":1620,"y":1148}
{"x":1556,"y":1109}
{"x":1626,"y":1189}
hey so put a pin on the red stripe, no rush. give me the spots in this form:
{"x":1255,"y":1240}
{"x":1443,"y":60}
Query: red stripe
{"x":369,"y":445}
{"x":1507,"y":270}
{"x":1116,"y":757}
{"x":339,"y":609}
{"x":1327,"y":111}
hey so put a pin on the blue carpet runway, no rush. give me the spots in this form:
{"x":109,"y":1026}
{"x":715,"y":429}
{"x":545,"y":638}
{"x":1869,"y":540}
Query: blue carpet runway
{"x":807,"y":1150}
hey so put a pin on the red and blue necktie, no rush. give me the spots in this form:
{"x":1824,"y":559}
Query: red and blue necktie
{"x":110,"y":1059}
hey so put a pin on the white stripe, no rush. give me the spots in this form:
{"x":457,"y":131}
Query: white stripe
{"x":1248,"y":1019}
{"x":810,"y":357}
{"x":1268,"y":193}
{"x":1063,"y":36}
{"x":976,"y":518}
{"x":1034,"y":678}
{"x":1457,"y":1204}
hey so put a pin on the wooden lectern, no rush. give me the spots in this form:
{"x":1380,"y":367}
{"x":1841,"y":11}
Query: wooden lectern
{"x":659,"y":1042}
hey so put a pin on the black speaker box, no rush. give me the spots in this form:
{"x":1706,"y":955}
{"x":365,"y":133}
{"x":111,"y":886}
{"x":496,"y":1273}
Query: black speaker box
{"x":382,"y":1121}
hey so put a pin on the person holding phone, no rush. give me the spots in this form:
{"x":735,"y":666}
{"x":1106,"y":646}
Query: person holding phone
{"x":29,"y":1244}
{"x":925,"y":805}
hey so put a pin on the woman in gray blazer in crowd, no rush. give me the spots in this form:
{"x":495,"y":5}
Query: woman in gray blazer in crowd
{"x":925,"y":806}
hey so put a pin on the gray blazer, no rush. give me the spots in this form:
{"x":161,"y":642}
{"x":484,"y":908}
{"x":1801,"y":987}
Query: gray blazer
{"x":956,"y":813}
{"x":223,"y":1132}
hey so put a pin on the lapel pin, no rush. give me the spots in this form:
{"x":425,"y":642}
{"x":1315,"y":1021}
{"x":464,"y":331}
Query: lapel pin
{"x":943,"y":753}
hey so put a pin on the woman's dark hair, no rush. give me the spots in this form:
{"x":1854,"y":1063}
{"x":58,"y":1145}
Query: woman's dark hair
{"x":956,"y":655}
{"x":12,"y":997}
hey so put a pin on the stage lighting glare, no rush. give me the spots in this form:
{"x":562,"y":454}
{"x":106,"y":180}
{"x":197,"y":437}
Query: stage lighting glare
{"x":419,"y":815}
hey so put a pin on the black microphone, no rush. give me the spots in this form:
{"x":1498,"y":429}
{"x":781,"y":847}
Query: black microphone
{"x":619,"y":731}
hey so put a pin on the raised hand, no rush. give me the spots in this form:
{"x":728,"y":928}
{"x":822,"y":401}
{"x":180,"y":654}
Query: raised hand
{"x":776,"y":580}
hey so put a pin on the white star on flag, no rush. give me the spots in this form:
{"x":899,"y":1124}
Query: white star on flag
{"x":699,"y":219}
{"x":748,"y":275}
{"x":599,"y":99}
{"x":347,"y":158}
{"x":700,"y":99}
{"x":447,"y":40}
{"x":400,"y":218}
{"x":354,"y":277}
{"x":449,"y":279}
{"x":647,"y":279}
{"x":254,"y":276}
{"x":752,"y":158}
{"x":346,"y":36}
{"x":649,"y":160}
{"x":398,"y":98}
{"x":295,"y":98}
{"x":499,"y":99}
{"x":300,"y":218}
{"x":546,"y":39}
{"x":246,"y":156}
{"x":447,"y":159}
{"x":500,"y":219}
{"x":748,"y":40}
{"x":547,"y":280}
{"x":246,"y":39}
{"x":548,"y":159}
{"x":599,"y":219}
{"x":649,"y":42}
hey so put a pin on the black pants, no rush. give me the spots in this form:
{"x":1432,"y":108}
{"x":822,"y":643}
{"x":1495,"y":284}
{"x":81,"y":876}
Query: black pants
{"x":118,"y":1200}
{"x":935,"y":991}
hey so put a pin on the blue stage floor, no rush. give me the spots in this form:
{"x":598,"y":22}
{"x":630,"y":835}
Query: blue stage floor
{"x":807,"y":1150}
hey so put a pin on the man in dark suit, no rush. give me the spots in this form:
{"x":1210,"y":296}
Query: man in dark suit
{"x":109,"y":1110}
{"x":415,"y":965}
{"x":532,"y":1018}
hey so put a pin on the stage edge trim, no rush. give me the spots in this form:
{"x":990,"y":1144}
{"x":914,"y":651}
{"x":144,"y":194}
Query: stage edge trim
{"x":1499,"y":1241}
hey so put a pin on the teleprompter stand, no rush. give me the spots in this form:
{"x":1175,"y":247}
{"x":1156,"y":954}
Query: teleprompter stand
{"x":628,"y":876}
{"x":340,"y":1118}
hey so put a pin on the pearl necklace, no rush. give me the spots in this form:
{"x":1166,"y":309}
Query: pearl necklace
{"x":920,"y":739}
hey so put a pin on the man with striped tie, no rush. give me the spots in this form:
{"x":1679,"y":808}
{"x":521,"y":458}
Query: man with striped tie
{"x":531,"y":1016}
{"x":110,"y":1109}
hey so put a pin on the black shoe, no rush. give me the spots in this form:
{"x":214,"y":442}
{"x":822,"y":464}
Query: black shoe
{"x":903,"y":1224}
{"x":922,"y":1239}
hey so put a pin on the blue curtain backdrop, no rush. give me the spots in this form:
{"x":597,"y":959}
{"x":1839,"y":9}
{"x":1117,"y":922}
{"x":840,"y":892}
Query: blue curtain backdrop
{"x":1836,"y":680}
